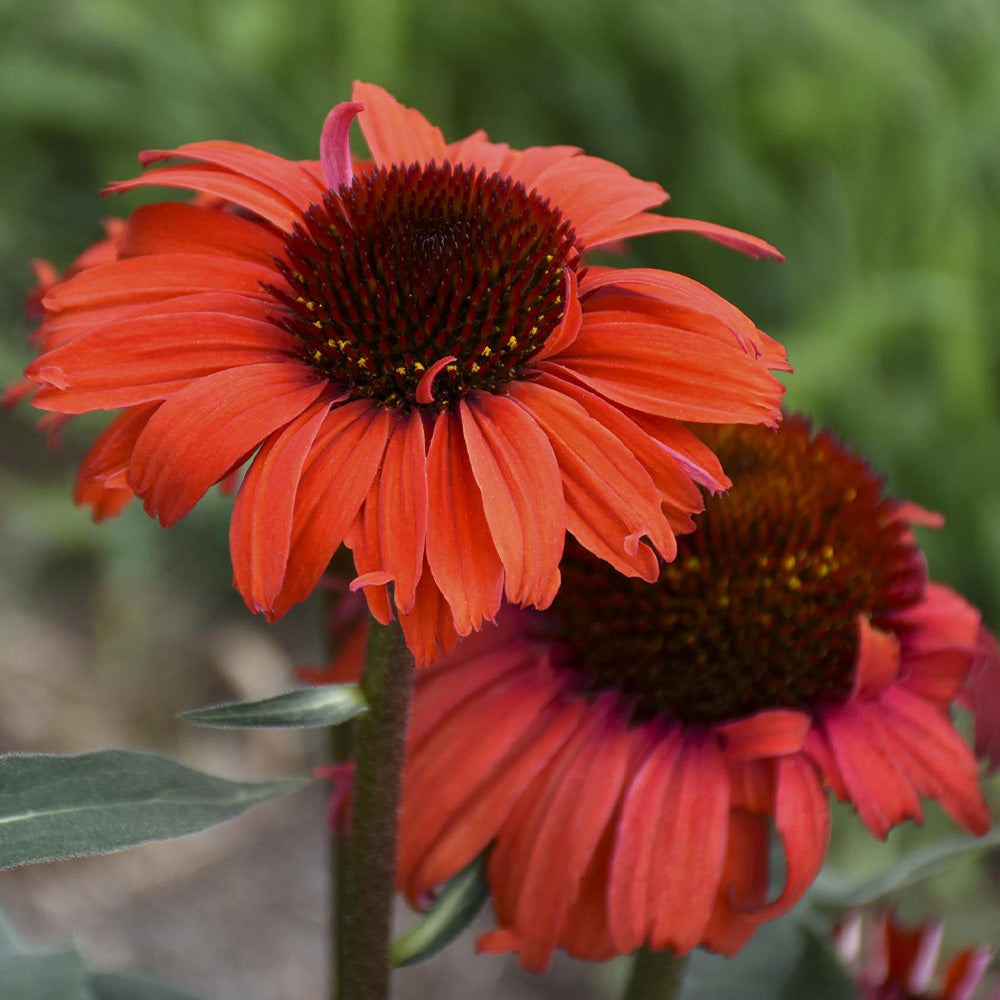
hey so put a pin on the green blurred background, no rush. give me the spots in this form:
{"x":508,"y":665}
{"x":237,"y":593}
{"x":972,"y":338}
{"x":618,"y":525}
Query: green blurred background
{"x":862,"y":138}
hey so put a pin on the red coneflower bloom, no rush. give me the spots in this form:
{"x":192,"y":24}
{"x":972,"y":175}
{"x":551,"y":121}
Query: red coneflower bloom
{"x":627,"y":752}
{"x":892,"y":962}
{"x":416,"y":359}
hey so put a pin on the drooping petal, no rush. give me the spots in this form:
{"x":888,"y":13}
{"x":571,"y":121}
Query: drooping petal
{"x":670,"y":372}
{"x":691,"y":847}
{"x":636,"y":840}
{"x":177,"y":227}
{"x":284,"y":177}
{"x":935,"y":757}
{"x":774,"y":732}
{"x":568,"y":837}
{"x":594,"y":193}
{"x":802,"y":819}
{"x":395,"y":133}
{"x":877,"y":662}
{"x":460,"y":550}
{"x":518,"y":476}
{"x":874,"y":785}
{"x":336,"y":477}
{"x":245,"y":192}
{"x":402,"y":507}
{"x":430,"y":627}
{"x":335,"y":145}
{"x":205,"y":429}
{"x":645,"y":223}
{"x":129,"y":362}
{"x":611,"y":501}
{"x":160,"y":276}
{"x":260,"y":530}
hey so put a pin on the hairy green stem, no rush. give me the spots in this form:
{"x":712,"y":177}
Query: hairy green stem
{"x":656,"y":975}
{"x":380,"y":751}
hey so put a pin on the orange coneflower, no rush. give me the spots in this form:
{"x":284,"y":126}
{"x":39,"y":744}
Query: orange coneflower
{"x":414,"y":358}
{"x":893,"y":962}
{"x":627,"y":752}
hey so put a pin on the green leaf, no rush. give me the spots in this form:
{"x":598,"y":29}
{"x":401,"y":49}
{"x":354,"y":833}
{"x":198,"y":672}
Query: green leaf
{"x":908,"y":870}
{"x":784,"y":960}
{"x":54,"y":807}
{"x":46,"y":976}
{"x":326,"y":705}
{"x":453,"y":910}
{"x":116,"y":986}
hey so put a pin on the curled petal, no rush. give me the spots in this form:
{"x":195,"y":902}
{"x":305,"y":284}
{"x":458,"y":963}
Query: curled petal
{"x":335,"y":145}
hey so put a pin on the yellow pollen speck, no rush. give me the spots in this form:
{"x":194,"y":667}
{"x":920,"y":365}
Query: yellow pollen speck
{"x":822,"y":570}
{"x":534,"y":331}
{"x":400,"y":370}
{"x":694,"y":563}
{"x":512,"y":343}
{"x":724,"y":601}
{"x":317,"y":355}
{"x":474,"y":367}
{"x":486,"y":352}
{"x":763,"y":561}
{"x":827,"y":552}
{"x":342,"y":344}
{"x":418,"y":366}
{"x":311,"y":306}
{"x":362,"y":362}
{"x":794,"y":583}
{"x":297,"y":276}
{"x":451,"y":368}
{"x":788,"y":562}
{"x":558,"y":300}
{"x":850,"y":494}
{"x":318,"y":324}
{"x":301,"y":300}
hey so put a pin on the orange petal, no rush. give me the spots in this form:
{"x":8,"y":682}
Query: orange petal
{"x":337,"y":475}
{"x":201,"y":432}
{"x":518,"y":476}
{"x":460,"y":549}
{"x":688,"y":861}
{"x":260,"y":530}
{"x":395,"y":133}
{"x":877,"y":663}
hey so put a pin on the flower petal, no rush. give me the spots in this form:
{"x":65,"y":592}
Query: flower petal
{"x":177,"y":227}
{"x":335,"y":145}
{"x":802,"y":819}
{"x":135,"y":361}
{"x":671,"y":372}
{"x":637,"y":837}
{"x":877,"y":663}
{"x":260,"y":530}
{"x":284,"y":177}
{"x":644,"y":223}
{"x":429,"y":628}
{"x":460,"y":549}
{"x":775,"y":732}
{"x":518,"y":476}
{"x":395,"y":133}
{"x":205,"y":429}
{"x":611,"y":500}
{"x":336,"y":477}
{"x":691,"y":847}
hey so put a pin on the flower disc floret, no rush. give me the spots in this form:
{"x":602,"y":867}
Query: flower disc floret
{"x":409,"y":265}
{"x":776,"y":574}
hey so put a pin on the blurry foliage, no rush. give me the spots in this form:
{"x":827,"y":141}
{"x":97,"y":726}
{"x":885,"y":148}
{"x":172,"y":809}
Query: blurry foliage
{"x":860,"y":136}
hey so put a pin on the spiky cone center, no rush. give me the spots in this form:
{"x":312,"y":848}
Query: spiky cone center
{"x":760,"y":608}
{"x":409,"y":265}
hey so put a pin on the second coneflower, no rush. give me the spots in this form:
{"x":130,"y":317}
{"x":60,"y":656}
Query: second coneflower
{"x":413,"y":357}
{"x":629,"y":752}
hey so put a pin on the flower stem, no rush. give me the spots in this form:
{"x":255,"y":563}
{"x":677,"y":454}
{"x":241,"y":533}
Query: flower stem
{"x":380,"y":751}
{"x":656,"y":975}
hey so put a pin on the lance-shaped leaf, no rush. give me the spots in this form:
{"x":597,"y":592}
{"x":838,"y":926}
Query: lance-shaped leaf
{"x":326,"y":705}
{"x":453,"y":910}
{"x":54,"y":806}
{"x":911,"y":868}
